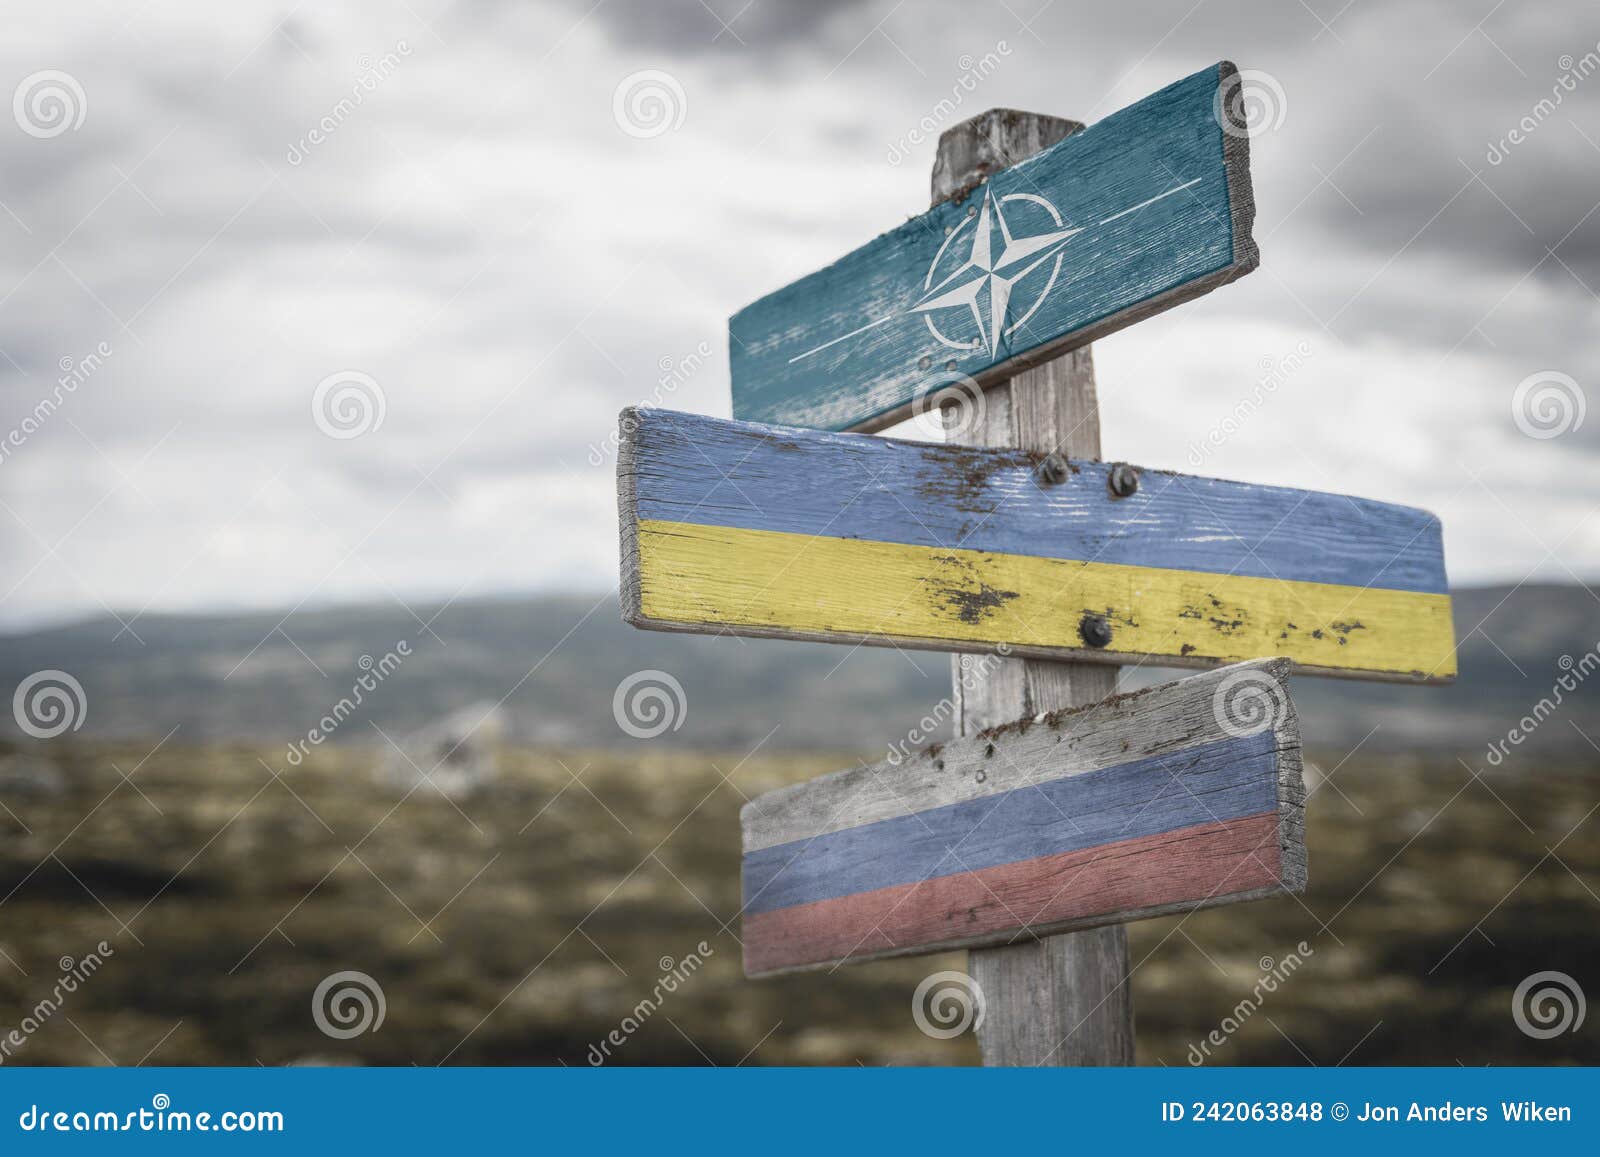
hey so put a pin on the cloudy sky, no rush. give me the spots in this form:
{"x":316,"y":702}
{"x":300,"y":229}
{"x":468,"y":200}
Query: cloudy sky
{"x":494,"y":249}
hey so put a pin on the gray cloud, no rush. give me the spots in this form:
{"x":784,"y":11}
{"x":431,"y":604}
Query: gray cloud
{"x":766,"y":27}
{"x":478,"y":234}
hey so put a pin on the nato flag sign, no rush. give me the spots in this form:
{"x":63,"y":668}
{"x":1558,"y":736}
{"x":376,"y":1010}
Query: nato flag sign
{"x":1148,"y":208}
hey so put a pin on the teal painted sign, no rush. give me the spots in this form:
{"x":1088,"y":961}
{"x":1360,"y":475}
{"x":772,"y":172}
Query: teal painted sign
{"x":1145,"y":209}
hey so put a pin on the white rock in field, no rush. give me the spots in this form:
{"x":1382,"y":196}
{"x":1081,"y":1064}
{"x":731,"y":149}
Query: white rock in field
{"x":29,"y":775}
{"x":459,"y":754}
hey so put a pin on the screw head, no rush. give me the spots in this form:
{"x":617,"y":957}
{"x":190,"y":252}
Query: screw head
{"x":1095,"y":630}
{"x":1122,"y":480}
{"x":1053,"y":469}
{"x":924,"y":362}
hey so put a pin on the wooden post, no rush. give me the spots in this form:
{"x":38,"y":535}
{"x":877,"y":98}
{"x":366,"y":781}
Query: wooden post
{"x":1063,"y":1000}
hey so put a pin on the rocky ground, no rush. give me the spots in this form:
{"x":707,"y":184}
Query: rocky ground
{"x":523,"y":922}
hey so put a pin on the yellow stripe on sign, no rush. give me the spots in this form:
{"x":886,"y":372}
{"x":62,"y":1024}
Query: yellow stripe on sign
{"x":801,"y":584}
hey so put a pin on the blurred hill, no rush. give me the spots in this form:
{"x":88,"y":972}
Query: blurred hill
{"x":558,"y":660}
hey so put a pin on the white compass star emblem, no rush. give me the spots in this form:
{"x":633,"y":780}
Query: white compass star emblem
{"x":988,"y":279}
{"x":989,"y":275}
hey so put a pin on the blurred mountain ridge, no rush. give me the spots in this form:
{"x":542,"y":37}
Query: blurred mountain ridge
{"x":554,"y":664}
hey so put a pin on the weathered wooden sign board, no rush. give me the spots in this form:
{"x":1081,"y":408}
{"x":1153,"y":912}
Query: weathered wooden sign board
{"x":1149,"y":207}
{"x":760,"y":530}
{"x":1178,"y":797}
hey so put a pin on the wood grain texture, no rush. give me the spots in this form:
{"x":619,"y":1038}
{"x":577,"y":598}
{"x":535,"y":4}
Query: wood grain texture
{"x":1176,"y":871}
{"x":1181,"y":796}
{"x":981,"y":146}
{"x":1066,"y":999}
{"x":1156,"y":723}
{"x":1219,"y":782}
{"x":737,"y":474}
{"x":1143,"y":210}
{"x":787,"y":533}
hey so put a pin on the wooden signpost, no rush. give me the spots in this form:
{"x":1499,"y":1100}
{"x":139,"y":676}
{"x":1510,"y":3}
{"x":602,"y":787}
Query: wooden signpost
{"x":1182,"y":796}
{"x":795,"y":534}
{"x":1148,"y":208}
{"x":1062,"y":811}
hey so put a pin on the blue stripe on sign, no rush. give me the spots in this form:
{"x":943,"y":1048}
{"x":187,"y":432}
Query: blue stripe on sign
{"x":714,"y":472}
{"x":1225,"y":780}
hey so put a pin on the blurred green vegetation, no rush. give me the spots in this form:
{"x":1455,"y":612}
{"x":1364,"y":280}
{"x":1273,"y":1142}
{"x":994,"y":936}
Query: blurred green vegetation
{"x":521,"y":924}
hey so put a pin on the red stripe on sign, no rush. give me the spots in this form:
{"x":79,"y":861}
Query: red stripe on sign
{"x":1195,"y":864}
